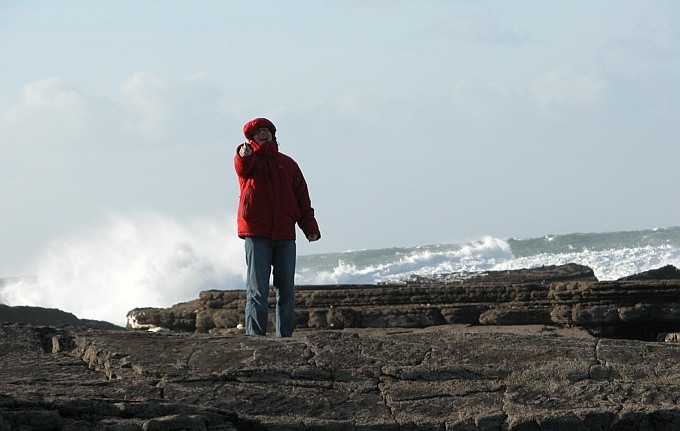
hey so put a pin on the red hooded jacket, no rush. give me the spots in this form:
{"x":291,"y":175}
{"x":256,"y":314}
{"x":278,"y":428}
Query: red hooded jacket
{"x":274,"y":195}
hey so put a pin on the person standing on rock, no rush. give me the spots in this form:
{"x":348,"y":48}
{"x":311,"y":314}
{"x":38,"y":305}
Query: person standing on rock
{"x":273,"y":199}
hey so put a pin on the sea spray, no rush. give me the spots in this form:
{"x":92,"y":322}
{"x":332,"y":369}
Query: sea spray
{"x":148,"y":261}
{"x":609,"y":264}
{"x":373,"y":266}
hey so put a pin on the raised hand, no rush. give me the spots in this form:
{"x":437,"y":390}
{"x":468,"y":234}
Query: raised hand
{"x":245,"y":150}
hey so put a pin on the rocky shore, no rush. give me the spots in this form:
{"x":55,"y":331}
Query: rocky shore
{"x":643,"y":307}
{"x":530,"y":350}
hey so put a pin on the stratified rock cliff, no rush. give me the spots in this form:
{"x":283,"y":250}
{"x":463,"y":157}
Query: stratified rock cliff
{"x":642,"y":308}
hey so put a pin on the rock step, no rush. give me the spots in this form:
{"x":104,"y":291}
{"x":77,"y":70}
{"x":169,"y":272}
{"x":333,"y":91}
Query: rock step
{"x":564,"y":296}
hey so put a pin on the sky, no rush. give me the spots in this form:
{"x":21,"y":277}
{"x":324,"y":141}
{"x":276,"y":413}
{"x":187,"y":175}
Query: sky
{"x":413,"y":122}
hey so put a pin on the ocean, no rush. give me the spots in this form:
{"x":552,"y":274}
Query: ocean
{"x":611,"y":255}
{"x":156,"y":262}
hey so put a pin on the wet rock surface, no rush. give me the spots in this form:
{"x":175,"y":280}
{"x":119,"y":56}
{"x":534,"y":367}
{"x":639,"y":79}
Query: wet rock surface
{"x":449,"y":377}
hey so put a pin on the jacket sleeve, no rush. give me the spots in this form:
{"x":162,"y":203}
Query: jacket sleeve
{"x":307,"y":220}
{"x":244,"y":165}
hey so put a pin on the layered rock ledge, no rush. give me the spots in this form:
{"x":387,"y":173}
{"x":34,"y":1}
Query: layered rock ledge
{"x":644,"y":307}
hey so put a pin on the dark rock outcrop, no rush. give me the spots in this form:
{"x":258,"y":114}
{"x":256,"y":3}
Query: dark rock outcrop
{"x":47,"y":316}
{"x":565,"y":296}
{"x":668,"y":272}
{"x":544,"y":274}
{"x":439,"y":378}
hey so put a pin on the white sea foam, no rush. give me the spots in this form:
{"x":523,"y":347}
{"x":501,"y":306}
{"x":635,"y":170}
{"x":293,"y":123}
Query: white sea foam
{"x":148,"y":261}
{"x":361,"y":268}
{"x":488,"y":254}
{"x":607,"y":264}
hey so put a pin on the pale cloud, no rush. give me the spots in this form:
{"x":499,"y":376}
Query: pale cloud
{"x":51,"y":114}
{"x":564,"y":87}
{"x":54,"y":116}
{"x":50,"y":92}
{"x":162,"y":108}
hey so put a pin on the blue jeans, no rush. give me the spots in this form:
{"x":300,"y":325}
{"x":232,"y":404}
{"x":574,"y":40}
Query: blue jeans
{"x":263,"y":254}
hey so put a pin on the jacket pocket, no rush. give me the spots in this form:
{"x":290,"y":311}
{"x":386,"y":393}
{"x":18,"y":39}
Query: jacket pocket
{"x":247,"y":202}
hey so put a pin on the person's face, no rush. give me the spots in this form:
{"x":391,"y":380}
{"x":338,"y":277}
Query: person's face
{"x":262,"y":135}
